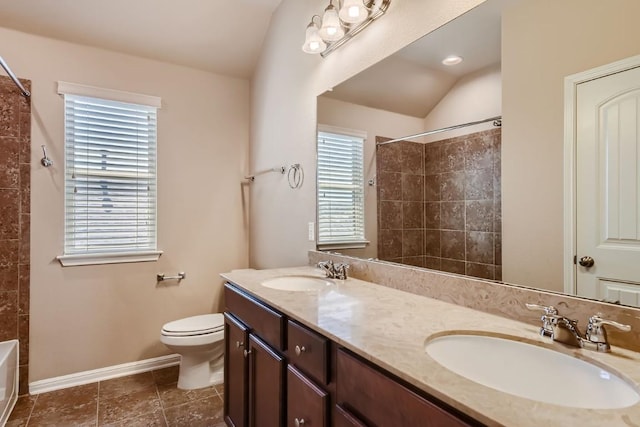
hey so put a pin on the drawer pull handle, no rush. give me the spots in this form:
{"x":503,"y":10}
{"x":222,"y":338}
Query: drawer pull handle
{"x":299,"y":422}
{"x":246,"y":353}
{"x":299,"y":351}
{"x":239,"y":344}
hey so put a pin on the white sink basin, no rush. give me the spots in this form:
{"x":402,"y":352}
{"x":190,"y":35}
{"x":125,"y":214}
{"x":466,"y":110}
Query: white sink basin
{"x":532,"y":372}
{"x":298,"y":283}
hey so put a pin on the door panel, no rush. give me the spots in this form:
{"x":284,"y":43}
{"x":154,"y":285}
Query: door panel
{"x":266,"y":383}
{"x":235,"y":372}
{"x":608,"y":186}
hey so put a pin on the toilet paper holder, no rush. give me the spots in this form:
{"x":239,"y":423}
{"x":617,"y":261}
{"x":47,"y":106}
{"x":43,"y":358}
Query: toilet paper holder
{"x":161,"y":277}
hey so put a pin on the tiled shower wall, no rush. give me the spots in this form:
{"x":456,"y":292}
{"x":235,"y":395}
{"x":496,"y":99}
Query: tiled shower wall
{"x":15,"y":191}
{"x":439,"y":204}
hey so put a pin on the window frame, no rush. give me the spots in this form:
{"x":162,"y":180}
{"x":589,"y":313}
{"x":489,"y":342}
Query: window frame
{"x":357,"y":242}
{"x":110,"y":256}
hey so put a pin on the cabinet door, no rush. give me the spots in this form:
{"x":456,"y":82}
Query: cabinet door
{"x":266,"y":385}
{"x":236,"y":336}
{"x":307,"y":404}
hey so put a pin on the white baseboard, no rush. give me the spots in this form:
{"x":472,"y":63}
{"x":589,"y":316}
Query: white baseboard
{"x":116,"y":371}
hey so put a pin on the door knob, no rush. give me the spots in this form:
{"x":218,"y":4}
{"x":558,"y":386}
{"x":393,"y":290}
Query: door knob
{"x":586,"y":261}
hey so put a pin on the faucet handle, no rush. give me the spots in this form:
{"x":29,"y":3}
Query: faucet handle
{"x":597,"y":334}
{"x":549,"y":310}
{"x":596,"y":322}
{"x":549,"y":316}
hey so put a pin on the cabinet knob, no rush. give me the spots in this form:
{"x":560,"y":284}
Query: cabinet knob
{"x":246,"y":353}
{"x":299,"y":422}
{"x":300,"y":350}
{"x":239,"y":344}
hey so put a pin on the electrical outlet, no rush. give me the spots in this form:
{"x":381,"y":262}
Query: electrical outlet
{"x":312,"y":231}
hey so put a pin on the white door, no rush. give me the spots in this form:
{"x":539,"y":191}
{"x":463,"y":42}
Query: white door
{"x":608,"y":188}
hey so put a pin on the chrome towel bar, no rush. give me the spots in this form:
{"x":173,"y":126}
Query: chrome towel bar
{"x":161,"y":277}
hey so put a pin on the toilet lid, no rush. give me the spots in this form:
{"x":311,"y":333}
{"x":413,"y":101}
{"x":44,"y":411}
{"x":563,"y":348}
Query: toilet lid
{"x":196,"y":325}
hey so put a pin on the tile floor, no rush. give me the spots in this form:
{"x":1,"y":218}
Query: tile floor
{"x":147,"y":399}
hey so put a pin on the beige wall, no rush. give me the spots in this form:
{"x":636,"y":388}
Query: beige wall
{"x":283,"y":120}
{"x":474,"y":97}
{"x":85,"y":318}
{"x":375,"y":123}
{"x":544,"y":41}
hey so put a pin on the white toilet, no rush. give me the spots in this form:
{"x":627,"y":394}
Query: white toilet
{"x":200,"y":342}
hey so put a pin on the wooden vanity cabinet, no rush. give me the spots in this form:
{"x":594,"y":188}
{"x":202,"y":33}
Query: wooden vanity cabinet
{"x":281,"y":373}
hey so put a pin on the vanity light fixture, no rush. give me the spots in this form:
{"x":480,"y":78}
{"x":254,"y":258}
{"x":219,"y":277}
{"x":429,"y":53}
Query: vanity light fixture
{"x":339,"y":24}
{"x":452,"y":60}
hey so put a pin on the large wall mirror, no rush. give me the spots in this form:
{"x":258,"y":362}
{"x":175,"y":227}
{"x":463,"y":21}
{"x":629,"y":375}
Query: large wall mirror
{"x":486,"y":201}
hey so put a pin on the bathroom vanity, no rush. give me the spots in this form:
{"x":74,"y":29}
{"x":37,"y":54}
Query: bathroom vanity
{"x":352,"y":353}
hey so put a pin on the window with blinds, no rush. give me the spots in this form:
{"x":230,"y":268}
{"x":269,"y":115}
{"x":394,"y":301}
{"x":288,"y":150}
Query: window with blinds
{"x":340,"y":191}
{"x":110,"y":176}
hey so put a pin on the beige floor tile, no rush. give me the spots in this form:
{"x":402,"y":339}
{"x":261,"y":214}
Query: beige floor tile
{"x":171,"y":395}
{"x":120,"y":386}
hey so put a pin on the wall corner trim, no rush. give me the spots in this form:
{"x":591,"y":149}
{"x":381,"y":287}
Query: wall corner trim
{"x":101,"y":374}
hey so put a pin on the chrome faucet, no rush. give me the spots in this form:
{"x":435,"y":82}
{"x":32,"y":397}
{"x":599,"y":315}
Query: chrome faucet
{"x":333,"y":270}
{"x":565,"y":330}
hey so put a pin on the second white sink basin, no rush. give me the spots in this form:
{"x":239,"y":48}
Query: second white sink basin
{"x":298,"y":283}
{"x":532,"y":372}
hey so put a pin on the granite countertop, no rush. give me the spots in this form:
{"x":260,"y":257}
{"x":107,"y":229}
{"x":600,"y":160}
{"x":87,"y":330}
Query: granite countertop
{"x":390,"y":327}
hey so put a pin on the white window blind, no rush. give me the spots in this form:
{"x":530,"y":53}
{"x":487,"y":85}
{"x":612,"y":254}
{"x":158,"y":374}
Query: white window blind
{"x":340,"y":190}
{"x":110,"y":176}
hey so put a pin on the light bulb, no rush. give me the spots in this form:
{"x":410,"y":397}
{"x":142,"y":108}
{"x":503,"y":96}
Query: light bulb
{"x":331,"y":29}
{"x":313,"y":43}
{"x":353,"y":12}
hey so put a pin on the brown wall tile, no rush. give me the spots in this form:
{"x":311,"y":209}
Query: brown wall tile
{"x":480,"y":247}
{"x":9,"y":214}
{"x":432,"y":215}
{"x":478,"y":153}
{"x":453,"y":156}
{"x":478,"y":184}
{"x":479,"y":215}
{"x":452,"y":186}
{"x":9,"y":113}
{"x":8,"y":276}
{"x":452,"y":216}
{"x":432,"y":188}
{"x":389,"y":244}
{"x":412,"y":243}
{"x":25,"y":238}
{"x":432,"y":243}
{"x":9,"y":162}
{"x":389,"y":185}
{"x":452,"y":244}
{"x":388,"y":158}
{"x":390,"y":215}
{"x":412,"y":187}
{"x":8,"y":315}
{"x":412,"y":158}
{"x":484,"y":271}
{"x":412,"y":215}
{"x":432,"y":158}
{"x":452,"y":266}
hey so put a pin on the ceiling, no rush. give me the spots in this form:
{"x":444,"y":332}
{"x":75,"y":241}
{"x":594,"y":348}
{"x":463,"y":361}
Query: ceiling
{"x":221,"y":36}
{"x":413,"y":80}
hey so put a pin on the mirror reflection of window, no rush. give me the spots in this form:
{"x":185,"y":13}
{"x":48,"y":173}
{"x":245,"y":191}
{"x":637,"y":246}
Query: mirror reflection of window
{"x":340,"y":172}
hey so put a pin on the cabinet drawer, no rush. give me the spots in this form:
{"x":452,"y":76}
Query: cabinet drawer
{"x":378,"y":400}
{"x":307,"y":404}
{"x":308,"y":351}
{"x":344,"y":419}
{"x":267,"y":323}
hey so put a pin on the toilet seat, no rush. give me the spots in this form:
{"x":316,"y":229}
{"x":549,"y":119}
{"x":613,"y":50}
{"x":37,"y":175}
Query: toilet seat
{"x":195,"y":325}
